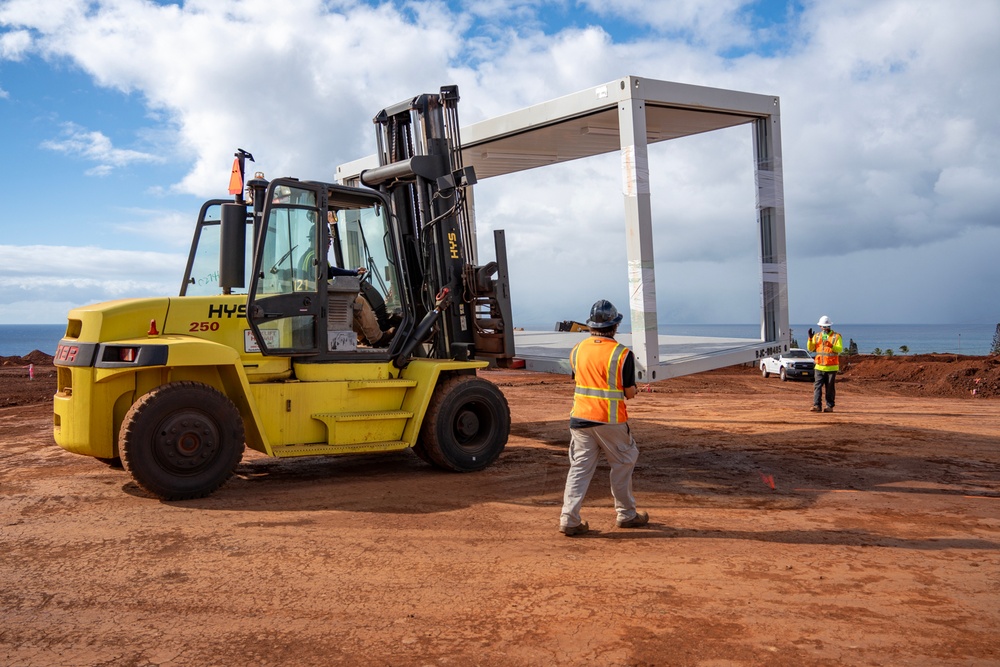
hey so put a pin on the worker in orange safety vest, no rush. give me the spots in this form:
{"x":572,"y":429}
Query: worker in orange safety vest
{"x":604,"y":371}
{"x":827,"y":344}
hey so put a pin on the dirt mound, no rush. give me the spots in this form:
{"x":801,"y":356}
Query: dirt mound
{"x":946,"y":375}
{"x":918,"y":375}
{"x":36,"y":357}
{"x":18,"y":387}
{"x":929,"y":375}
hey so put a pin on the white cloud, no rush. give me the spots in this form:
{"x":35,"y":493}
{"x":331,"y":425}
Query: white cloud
{"x":164,"y":229}
{"x":34,"y":311}
{"x":95,"y":146}
{"x":890,"y":134}
{"x":884,"y":99}
{"x":49,"y":16}
{"x":83,"y":263}
{"x":234,"y":74}
{"x":718,"y":24}
{"x":14,"y":44}
{"x":41,"y":283}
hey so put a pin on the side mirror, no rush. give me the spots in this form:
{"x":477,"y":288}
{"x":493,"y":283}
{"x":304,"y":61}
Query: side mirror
{"x":232,"y":247}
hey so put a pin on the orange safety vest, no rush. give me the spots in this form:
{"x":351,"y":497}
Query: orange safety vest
{"x":828,"y":348}
{"x":599,"y":397}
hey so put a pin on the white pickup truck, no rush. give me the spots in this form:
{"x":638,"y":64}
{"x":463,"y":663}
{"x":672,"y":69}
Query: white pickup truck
{"x":794,"y":364}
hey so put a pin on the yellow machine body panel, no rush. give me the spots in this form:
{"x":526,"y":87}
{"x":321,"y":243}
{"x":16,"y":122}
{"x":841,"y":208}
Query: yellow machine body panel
{"x":288,"y":408}
{"x":222,"y":320}
{"x":84,"y":415}
{"x":348,"y":408}
{"x":200,"y":339}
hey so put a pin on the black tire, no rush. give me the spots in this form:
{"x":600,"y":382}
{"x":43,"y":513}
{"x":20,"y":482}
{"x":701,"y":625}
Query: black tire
{"x":466,"y":425}
{"x":764,"y":372}
{"x":375,"y":300}
{"x":783,"y":375}
{"x":181,"y":440}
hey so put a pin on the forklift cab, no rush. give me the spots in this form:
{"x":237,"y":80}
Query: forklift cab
{"x":293,"y":308}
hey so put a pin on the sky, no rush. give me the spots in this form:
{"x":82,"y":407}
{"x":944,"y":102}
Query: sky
{"x":118,"y":118}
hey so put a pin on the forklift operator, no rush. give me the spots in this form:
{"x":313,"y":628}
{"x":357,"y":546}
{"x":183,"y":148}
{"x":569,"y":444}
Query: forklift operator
{"x":365,"y":323}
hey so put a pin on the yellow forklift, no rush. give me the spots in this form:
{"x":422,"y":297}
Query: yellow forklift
{"x":172,"y":388}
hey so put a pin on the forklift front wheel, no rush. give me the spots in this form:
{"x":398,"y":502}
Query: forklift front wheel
{"x":466,"y":425}
{"x":181,"y":440}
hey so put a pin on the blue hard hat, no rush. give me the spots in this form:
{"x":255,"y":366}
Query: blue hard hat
{"x":603,"y":315}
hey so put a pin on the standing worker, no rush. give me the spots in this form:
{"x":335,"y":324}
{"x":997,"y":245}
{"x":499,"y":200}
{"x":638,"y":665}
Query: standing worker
{"x":604,"y":371}
{"x":827,"y":344}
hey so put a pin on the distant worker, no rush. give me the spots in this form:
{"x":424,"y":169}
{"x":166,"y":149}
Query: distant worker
{"x":604,"y":371}
{"x":827,"y":344}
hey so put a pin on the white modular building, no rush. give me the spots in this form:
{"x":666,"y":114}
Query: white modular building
{"x":626,"y":116}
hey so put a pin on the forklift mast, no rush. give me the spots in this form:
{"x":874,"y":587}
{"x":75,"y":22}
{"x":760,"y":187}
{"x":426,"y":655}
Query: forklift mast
{"x":463,"y":308}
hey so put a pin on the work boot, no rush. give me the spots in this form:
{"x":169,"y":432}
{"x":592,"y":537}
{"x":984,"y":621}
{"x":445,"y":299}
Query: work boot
{"x":570,"y":531}
{"x":815,"y":408}
{"x":640,"y":519}
{"x":829,"y":409}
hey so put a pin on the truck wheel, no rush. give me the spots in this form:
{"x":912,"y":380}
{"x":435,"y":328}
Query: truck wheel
{"x":783,"y":375}
{"x":763,"y":371}
{"x":466,"y":425}
{"x":181,"y":440}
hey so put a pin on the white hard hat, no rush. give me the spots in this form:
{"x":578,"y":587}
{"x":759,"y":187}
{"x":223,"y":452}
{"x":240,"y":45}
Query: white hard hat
{"x":282,"y":194}
{"x":824,"y":322}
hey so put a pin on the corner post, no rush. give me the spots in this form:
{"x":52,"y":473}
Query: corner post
{"x":770,"y":206}
{"x":638,"y":232}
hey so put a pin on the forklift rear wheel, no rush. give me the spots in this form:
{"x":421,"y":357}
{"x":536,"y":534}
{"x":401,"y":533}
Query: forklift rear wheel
{"x":181,"y":440}
{"x":466,"y":425}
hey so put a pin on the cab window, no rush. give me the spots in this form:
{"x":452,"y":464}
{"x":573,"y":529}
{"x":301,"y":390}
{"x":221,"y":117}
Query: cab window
{"x":290,"y":258}
{"x":365,"y":242}
{"x":203,"y":278}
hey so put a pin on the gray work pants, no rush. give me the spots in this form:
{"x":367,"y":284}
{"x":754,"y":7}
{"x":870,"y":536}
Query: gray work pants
{"x":584,"y":446}
{"x":826,"y":379}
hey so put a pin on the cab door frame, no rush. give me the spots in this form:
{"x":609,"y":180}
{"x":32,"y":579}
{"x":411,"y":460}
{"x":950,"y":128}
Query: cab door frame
{"x":289,"y":206}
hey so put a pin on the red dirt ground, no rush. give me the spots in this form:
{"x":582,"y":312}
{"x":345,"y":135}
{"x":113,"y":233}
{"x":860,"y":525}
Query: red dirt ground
{"x":869,"y":536}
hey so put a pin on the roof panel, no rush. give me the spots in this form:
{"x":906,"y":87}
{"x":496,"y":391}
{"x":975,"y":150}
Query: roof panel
{"x":571,"y":138}
{"x":585,"y":123}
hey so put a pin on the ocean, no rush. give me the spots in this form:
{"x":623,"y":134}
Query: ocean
{"x":973,"y":339}
{"x":17,"y":340}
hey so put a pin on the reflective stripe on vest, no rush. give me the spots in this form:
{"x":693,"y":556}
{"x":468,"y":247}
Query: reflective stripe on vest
{"x":599,"y":395}
{"x":826,"y":358}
